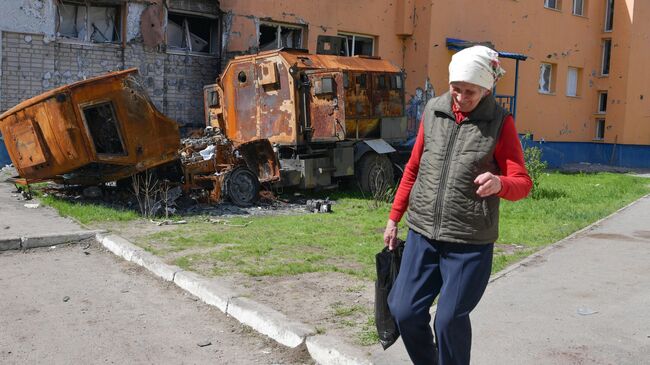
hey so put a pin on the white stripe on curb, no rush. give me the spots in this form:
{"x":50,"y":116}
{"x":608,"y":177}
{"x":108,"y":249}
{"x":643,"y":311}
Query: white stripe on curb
{"x":327,"y":350}
{"x":270,"y":322}
{"x":210,"y":292}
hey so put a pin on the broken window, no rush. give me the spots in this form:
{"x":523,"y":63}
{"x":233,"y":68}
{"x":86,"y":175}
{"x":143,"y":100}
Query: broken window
{"x":104,"y":130}
{"x":545,"y":78}
{"x":600,"y":129}
{"x":192,"y":33}
{"x":607,"y":52}
{"x":331,"y":45}
{"x":602,"y":102}
{"x":358,"y":45}
{"x":275,"y":36}
{"x":552,"y":4}
{"x":609,"y":15}
{"x":90,"y":23}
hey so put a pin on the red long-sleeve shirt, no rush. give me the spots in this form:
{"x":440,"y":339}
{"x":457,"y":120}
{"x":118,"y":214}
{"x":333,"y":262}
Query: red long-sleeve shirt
{"x":515,"y":182}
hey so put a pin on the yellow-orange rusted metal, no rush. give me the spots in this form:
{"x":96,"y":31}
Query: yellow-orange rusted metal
{"x":263,"y":96}
{"x":92,"y":131}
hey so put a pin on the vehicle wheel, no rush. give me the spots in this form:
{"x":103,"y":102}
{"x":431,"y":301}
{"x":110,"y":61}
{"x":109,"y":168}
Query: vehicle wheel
{"x":242,"y":187}
{"x":375,"y":173}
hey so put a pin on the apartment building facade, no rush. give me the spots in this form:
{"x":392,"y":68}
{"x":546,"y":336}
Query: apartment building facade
{"x":582,"y":92}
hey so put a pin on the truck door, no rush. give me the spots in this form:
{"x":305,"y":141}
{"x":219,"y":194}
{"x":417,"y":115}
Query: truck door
{"x":326,"y":106}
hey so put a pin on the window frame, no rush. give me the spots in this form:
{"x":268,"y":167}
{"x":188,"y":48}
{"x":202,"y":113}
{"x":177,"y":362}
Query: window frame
{"x":213,"y":42}
{"x":117,"y":22}
{"x":606,"y":56}
{"x":551,"y":82}
{"x":582,"y":8}
{"x":557,"y":7}
{"x":578,"y":80}
{"x":278,"y":33}
{"x":600,"y":129}
{"x":602,"y":103}
{"x":609,"y":16}
{"x":351,"y":52}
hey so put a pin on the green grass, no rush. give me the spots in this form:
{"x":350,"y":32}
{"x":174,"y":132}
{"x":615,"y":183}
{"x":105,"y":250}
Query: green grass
{"x":88,"y":213}
{"x":347,"y":239}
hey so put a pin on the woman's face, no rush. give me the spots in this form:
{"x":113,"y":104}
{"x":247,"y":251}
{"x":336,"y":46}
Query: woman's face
{"x":466,"y":96}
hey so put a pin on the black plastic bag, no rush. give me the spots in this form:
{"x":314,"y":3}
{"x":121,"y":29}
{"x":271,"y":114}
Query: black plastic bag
{"x":388,"y":263}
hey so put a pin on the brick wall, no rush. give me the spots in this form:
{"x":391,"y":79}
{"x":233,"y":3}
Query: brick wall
{"x":31,"y":64}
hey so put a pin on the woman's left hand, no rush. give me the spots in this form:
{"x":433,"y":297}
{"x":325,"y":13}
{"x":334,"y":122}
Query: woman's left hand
{"x":488,"y":184}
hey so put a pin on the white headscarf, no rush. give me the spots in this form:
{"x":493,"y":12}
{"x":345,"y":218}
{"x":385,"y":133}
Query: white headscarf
{"x":478,"y":65}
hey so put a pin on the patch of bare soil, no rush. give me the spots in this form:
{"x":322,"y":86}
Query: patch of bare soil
{"x":336,"y":304}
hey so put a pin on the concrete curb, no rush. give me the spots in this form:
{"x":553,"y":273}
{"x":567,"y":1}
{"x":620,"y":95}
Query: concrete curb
{"x":27,"y":242}
{"x":265,"y":320}
{"x":212,"y":293}
{"x":269,"y":322}
{"x":12,"y":243}
{"x":328,"y":350}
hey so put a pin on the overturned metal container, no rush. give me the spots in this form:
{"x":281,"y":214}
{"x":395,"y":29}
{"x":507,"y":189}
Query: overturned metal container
{"x":93,"y":131}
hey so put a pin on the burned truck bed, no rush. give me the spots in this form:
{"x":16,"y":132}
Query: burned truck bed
{"x":93,"y":131}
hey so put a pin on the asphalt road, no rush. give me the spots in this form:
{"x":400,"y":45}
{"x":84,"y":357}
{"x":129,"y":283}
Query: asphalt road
{"x":78,"y":304}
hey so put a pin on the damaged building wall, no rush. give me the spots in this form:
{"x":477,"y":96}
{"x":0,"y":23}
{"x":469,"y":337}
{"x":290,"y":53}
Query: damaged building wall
{"x":35,"y":60}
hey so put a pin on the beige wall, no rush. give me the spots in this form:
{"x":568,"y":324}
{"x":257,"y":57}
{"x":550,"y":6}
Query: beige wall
{"x":412,"y":33}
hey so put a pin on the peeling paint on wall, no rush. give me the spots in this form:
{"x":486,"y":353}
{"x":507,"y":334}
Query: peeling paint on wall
{"x":34,"y":16}
{"x":133,"y":21}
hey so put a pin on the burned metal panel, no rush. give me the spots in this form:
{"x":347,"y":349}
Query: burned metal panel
{"x":387,"y":95}
{"x":360,"y":128}
{"x":260,"y":158}
{"x":239,"y":83}
{"x":327,"y":114}
{"x":148,"y":138}
{"x":277,"y":111}
{"x":357,"y":98}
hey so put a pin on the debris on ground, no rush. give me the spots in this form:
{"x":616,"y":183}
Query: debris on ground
{"x":226,"y":222}
{"x":204,"y":343}
{"x":319,"y":206}
{"x":584,"y":311}
{"x":32,"y":205}
{"x":168,"y":222}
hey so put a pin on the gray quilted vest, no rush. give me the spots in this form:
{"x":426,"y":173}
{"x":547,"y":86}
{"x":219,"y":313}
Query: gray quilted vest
{"x":443,"y":204}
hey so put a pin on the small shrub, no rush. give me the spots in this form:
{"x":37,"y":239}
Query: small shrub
{"x":535,"y":166}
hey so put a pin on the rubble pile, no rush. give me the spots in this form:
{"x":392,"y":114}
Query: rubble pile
{"x":194,"y":149}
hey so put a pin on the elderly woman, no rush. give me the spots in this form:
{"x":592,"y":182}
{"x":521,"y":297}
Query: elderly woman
{"x":466,"y":157}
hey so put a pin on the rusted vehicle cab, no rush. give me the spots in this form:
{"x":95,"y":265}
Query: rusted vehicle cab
{"x":93,"y":131}
{"x":327,"y":116}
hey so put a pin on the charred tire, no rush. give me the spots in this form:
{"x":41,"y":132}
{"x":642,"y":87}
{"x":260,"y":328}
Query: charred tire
{"x":242,"y":187}
{"x":375,"y":173}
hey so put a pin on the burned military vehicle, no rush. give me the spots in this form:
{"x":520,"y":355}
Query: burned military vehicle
{"x":106,"y":129}
{"x":328,"y":117}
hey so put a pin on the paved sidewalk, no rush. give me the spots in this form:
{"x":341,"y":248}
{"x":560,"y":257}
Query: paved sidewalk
{"x":23,"y":227}
{"x":584,"y":300}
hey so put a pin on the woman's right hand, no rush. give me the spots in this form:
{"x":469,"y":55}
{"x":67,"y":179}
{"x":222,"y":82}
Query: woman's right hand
{"x":390,"y":234}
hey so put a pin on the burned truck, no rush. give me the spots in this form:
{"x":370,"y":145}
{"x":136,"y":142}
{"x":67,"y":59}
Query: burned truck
{"x":327,"y":117}
{"x":106,"y":129}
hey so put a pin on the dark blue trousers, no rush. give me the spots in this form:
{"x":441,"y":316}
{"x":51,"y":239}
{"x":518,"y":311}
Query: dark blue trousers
{"x":459,"y":273}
